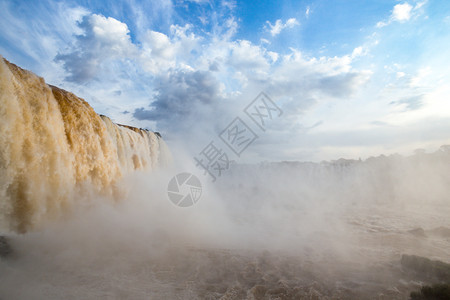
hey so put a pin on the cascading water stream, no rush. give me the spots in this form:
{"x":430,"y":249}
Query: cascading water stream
{"x":53,"y":145}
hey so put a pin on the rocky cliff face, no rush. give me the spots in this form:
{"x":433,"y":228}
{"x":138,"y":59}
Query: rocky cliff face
{"x":53,"y":146}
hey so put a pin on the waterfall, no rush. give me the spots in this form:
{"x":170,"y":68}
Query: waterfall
{"x":54,"y":146}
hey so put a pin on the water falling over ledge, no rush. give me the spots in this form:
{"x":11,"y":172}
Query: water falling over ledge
{"x":55,"y":147}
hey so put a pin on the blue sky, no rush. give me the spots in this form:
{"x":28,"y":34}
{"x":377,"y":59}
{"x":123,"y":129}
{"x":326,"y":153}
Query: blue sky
{"x":353,"y":78}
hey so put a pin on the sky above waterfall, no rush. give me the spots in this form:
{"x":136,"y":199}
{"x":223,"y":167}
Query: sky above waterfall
{"x":352,"y":78}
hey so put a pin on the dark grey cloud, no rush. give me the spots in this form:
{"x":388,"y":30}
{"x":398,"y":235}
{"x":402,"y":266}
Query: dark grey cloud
{"x":184,"y":100}
{"x":304,"y":90}
{"x":315,"y":83}
{"x":214,"y":66}
{"x":341,"y":85}
{"x":79,"y":69}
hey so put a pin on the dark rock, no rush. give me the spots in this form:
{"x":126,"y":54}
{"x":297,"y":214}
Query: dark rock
{"x":434,"y":292}
{"x":5,"y":249}
{"x":258,"y":291}
{"x":427,"y":267}
{"x":419,"y":232}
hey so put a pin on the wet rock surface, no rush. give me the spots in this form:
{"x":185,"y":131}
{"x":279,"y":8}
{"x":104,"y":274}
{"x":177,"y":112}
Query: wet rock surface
{"x":5,"y":248}
{"x":433,"y":292}
{"x":433,"y":269}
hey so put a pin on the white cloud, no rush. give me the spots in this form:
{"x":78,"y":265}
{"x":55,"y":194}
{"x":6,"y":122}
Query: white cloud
{"x":103,"y":39}
{"x":279,"y":25}
{"x":312,"y":77}
{"x":401,"y":12}
{"x":273,"y":55}
{"x":160,"y":45}
{"x":359,"y":51}
{"x":291,"y":23}
{"x":276,"y":28}
{"x":381,"y":24}
{"x":400,"y":74}
{"x":247,"y":57}
{"x":161,"y":52}
{"x":107,"y":40}
{"x":420,"y":77}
